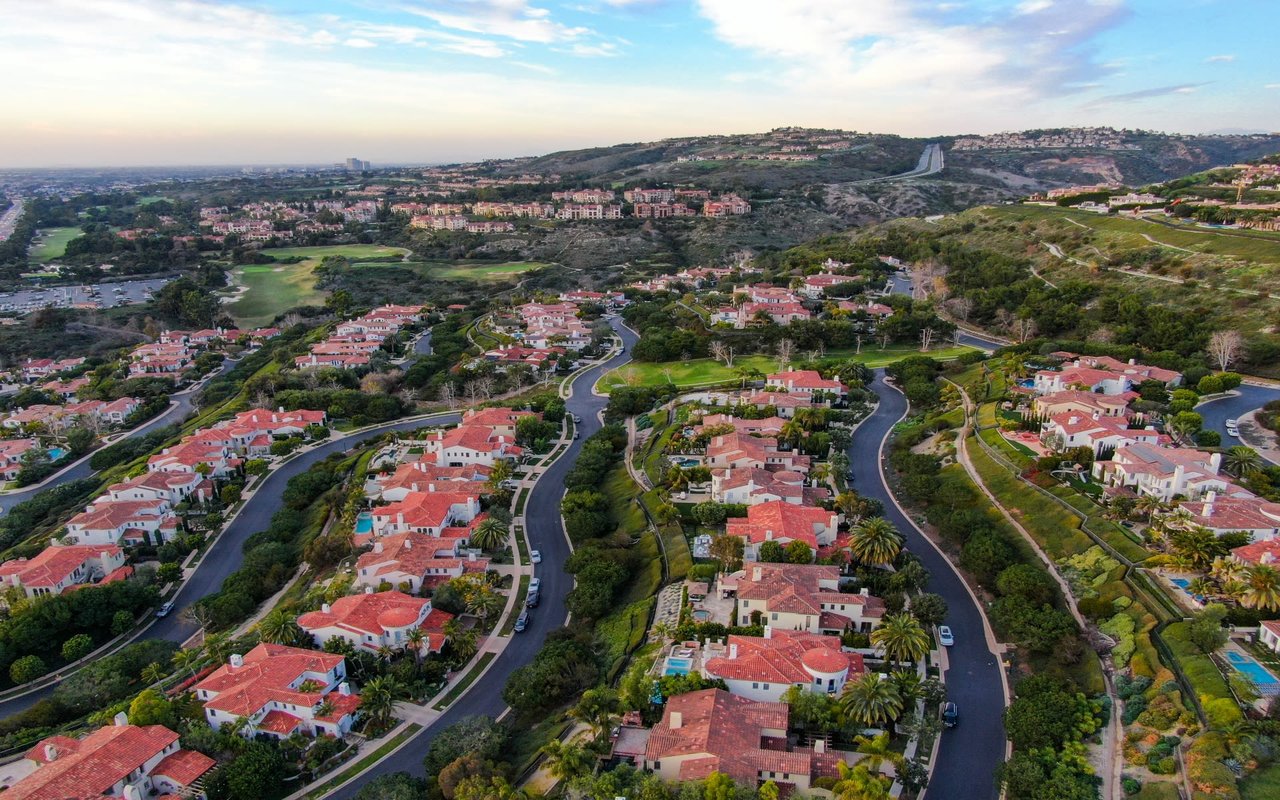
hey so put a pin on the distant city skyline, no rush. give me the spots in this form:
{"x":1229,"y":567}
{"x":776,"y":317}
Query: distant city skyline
{"x":207,"y":82}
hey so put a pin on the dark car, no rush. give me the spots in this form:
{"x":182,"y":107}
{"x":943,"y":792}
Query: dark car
{"x":950,"y":715}
{"x":522,"y":621}
{"x":532,"y":600}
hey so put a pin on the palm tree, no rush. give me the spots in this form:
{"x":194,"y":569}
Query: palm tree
{"x":859,"y":783}
{"x":490,"y":534}
{"x":378,"y":699}
{"x":186,"y":660}
{"x":385,"y":652}
{"x":325,"y":708}
{"x":908,"y":683}
{"x":791,"y":432}
{"x":1240,"y":461}
{"x":566,"y":761}
{"x":820,"y":473}
{"x":1226,"y":569}
{"x":901,"y":637}
{"x":1148,"y":505}
{"x":875,"y":542}
{"x":463,"y":641}
{"x":413,"y":641}
{"x":870,"y":701}
{"x":597,"y":708}
{"x":1198,"y":546}
{"x":499,"y":472}
{"x":1201,"y":586}
{"x":876,"y":750}
{"x":278,"y":627}
{"x":218,"y":645}
{"x":153,"y":672}
{"x":1263,"y":592}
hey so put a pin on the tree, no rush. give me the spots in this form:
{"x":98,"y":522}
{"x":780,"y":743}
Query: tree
{"x":463,"y":768}
{"x":566,"y":761}
{"x":396,"y":786}
{"x":901,"y":638}
{"x":786,"y":348}
{"x":871,"y":701}
{"x":277,"y":627}
{"x":121,"y":622}
{"x":484,"y":602}
{"x":378,"y":700}
{"x":597,"y":708}
{"x":77,"y":647}
{"x":27,"y":669}
{"x":258,"y":771}
{"x":151,"y":707}
{"x":80,"y":440}
{"x":876,"y":750}
{"x":1224,"y":348}
{"x":772,"y":552}
{"x":930,"y":609}
{"x":1205,"y":631}
{"x":169,"y":572}
{"x":491,"y":534}
{"x":797,"y":552}
{"x":722,"y":352}
{"x":728,"y":550}
{"x":1263,"y":588}
{"x":860,"y":783}
{"x":875,"y":542}
{"x":1240,"y":461}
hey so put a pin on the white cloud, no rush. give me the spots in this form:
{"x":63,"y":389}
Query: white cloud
{"x":511,"y":19}
{"x":1272,"y":86}
{"x":1220,"y":59}
{"x":1034,"y":6}
{"x":357,"y":42}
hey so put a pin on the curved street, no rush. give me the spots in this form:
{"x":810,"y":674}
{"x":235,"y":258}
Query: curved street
{"x":1247,"y":397}
{"x":968,"y":754}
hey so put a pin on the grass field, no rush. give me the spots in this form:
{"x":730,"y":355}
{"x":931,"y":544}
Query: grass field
{"x":1263,"y":784}
{"x":471,"y":270}
{"x":355,"y":252}
{"x":269,"y":289}
{"x":704,"y":371}
{"x":52,"y":243}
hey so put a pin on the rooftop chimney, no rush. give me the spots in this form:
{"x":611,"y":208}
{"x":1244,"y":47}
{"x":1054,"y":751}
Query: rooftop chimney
{"x":768,"y":631}
{"x":326,"y":608}
{"x":50,"y":752}
{"x":733,"y":651}
{"x":675,"y":720}
{"x":865,"y":592}
{"x":377,"y":547}
{"x":368,"y":590}
{"x":819,"y":745}
{"x":236,"y":660}
{"x":121,"y":719}
{"x":408,"y":543}
{"x":344,"y":689}
{"x":755,"y":573}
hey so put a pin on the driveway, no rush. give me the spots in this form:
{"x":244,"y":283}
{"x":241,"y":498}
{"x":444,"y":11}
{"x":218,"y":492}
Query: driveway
{"x":968,"y":755}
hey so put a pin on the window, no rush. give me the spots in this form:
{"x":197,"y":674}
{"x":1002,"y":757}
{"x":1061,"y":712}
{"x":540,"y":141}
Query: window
{"x":755,"y":685}
{"x":774,"y":616}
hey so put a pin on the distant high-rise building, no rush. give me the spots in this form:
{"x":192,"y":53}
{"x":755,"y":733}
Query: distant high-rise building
{"x":356,"y":165}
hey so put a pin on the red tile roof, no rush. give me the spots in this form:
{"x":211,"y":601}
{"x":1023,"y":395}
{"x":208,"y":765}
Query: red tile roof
{"x":184,"y":766}
{"x":268,"y":673}
{"x":92,"y":765}
{"x":1263,"y":552}
{"x":783,"y":658}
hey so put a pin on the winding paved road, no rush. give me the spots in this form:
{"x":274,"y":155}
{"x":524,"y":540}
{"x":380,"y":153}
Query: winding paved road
{"x":931,"y":161}
{"x":545,"y":532}
{"x":1248,"y":397}
{"x":968,"y":755}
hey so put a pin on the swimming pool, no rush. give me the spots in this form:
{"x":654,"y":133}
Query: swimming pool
{"x":687,"y":463}
{"x":701,"y":615}
{"x":677,"y":666}
{"x":1183,"y":583}
{"x":1249,"y":667}
{"x":364,"y":522}
{"x":56,"y":453}
{"x":1028,"y":383}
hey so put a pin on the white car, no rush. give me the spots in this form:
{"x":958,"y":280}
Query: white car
{"x":535,"y":556}
{"x":944,"y":636}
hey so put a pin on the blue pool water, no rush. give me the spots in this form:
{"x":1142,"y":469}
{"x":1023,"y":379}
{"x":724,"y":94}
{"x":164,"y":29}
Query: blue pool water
{"x":1250,"y":668}
{"x":364,"y":522}
{"x":1183,"y":583}
{"x":686,"y":463}
{"x":1029,"y":383}
{"x":678,"y":666}
{"x":56,"y":453}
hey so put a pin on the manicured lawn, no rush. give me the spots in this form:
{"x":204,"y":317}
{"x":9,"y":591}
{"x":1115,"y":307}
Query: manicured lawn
{"x":874,"y":357}
{"x":271,"y":289}
{"x":52,"y":243}
{"x":697,"y":372}
{"x":475,"y":270}
{"x":355,"y":252}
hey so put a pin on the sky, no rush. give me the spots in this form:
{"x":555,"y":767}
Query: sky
{"x":164,"y":82}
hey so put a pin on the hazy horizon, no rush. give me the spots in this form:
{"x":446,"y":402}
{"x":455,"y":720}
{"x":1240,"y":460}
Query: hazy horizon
{"x":167,"y":83}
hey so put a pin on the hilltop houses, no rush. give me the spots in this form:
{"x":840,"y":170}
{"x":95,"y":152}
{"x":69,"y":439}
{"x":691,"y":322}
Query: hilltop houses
{"x":59,"y":568}
{"x":763,"y":668}
{"x":802,"y":597}
{"x":372,"y":620}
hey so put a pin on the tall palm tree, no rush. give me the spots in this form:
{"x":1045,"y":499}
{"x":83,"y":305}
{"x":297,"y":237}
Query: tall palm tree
{"x":791,"y":432}
{"x":1148,"y":505}
{"x":413,"y":641}
{"x":1263,"y":590}
{"x":901,"y":637}
{"x":1226,"y":569}
{"x":1240,"y":461}
{"x":876,"y":750}
{"x":499,"y":472}
{"x":870,"y":701}
{"x":277,"y":627}
{"x":875,"y":542}
{"x":186,"y":660}
{"x":378,"y":699}
{"x":597,"y":708}
{"x":908,"y":683}
{"x":1198,"y":546}
{"x":490,"y":534}
{"x":463,"y":641}
{"x":153,"y":672}
{"x":859,"y":783}
{"x":566,"y":761}
{"x":218,"y":646}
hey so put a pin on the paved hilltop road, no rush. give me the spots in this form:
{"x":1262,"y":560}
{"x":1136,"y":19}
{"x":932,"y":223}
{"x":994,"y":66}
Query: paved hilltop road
{"x":183,"y":404}
{"x":968,"y":755}
{"x":542,"y":524}
{"x":931,"y":161}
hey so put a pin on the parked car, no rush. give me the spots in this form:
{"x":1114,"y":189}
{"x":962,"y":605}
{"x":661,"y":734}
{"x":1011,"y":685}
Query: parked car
{"x":575,"y":434}
{"x":532,"y":600}
{"x":535,"y":556}
{"x":944,"y":636}
{"x":522,"y":622}
{"x":535,"y":585}
{"x":577,"y":418}
{"x":163,"y":611}
{"x":950,"y":715}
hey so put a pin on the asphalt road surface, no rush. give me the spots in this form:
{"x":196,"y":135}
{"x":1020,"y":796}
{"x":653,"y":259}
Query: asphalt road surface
{"x":542,"y":524}
{"x":931,"y":161}
{"x":1217,"y":412}
{"x":969,"y":753}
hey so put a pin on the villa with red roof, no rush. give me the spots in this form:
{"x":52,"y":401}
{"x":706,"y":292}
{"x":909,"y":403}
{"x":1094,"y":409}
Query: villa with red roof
{"x":1083,"y":403}
{"x":1093,"y":379}
{"x":877,"y":310}
{"x":779,"y":312}
{"x":765,"y":667}
{"x":11,"y":453}
{"x":1266,"y":551}
{"x":471,"y":444}
{"x":1269,"y":634}
{"x":373,"y":620}
{"x":426,"y":512}
{"x":541,"y":359}
{"x":280,"y":691}
{"x":1162,"y":472}
{"x":813,"y":286}
{"x":783,"y":522}
{"x":188,"y":455}
{"x":806,"y":381}
{"x":803,"y":597}
{"x":426,"y":476}
{"x":783,"y":404}
{"x":738,"y":451}
{"x":769,"y":426}
{"x":1131,"y":369}
{"x":714,"y":731}
{"x":409,"y":561}
{"x":171,"y":487}
{"x":750,"y":486}
{"x":1070,"y":430}
{"x":130,"y":522}
{"x":500,"y":419}
{"x":58,"y":568}
{"x":1241,"y":511}
{"x":119,"y":760}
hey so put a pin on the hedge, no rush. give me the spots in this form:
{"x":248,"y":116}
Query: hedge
{"x":1210,"y":688}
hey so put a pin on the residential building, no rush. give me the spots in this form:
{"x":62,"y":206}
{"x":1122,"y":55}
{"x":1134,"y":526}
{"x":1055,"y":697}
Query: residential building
{"x":783,"y":522}
{"x":1162,"y":472}
{"x":427,"y":512}
{"x":278,"y":691}
{"x":123,"y":522}
{"x":410,"y":561}
{"x":58,"y":568}
{"x":728,"y":205}
{"x":471,"y":444}
{"x":1235,"y":512}
{"x":752,"y":486}
{"x":120,"y":760}
{"x":738,"y":450}
{"x":1269,"y":634}
{"x":1069,"y":430}
{"x":1266,"y":551}
{"x":779,"y":313}
{"x":1080,"y":402}
{"x":373,"y":620}
{"x":714,"y":731}
{"x":763,"y":668}
{"x":807,"y":382}
{"x":11,"y":453}
{"x":589,"y":211}
{"x":802,"y":597}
